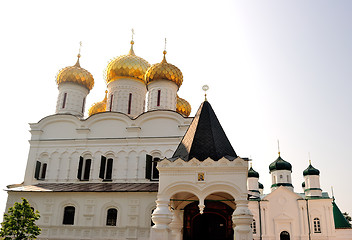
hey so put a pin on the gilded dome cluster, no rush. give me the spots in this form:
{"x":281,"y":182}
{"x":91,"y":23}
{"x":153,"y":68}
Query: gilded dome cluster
{"x":75,"y":74}
{"x":99,"y":106}
{"x":128,"y":65}
{"x":183,"y":107}
{"x":164,"y":70}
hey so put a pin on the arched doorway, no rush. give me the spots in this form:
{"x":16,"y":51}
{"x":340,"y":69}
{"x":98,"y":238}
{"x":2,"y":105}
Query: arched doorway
{"x":214,"y":224}
{"x":284,"y":235}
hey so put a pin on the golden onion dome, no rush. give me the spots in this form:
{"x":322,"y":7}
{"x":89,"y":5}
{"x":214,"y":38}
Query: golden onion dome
{"x":75,"y":74}
{"x":164,"y":70}
{"x":183,"y":107}
{"x":128,"y":65}
{"x":99,"y":106}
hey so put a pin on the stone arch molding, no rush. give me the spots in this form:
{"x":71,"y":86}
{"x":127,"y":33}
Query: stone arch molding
{"x":199,"y":191}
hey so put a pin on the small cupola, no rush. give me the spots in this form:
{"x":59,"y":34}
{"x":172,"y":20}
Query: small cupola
{"x":74,"y":84}
{"x":252,"y":183}
{"x":312,"y":181}
{"x":280,"y":171}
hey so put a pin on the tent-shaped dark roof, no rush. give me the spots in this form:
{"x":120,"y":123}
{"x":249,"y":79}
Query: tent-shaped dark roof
{"x":205,"y":138}
{"x":339,"y":219}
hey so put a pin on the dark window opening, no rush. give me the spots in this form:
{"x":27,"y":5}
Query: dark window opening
{"x":151,"y":172}
{"x":111,"y":218}
{"x":284,"y":235}
{"x":69,"y":215}
{"x":83,"y":104}
{"x":254,"y":227}
{"x":111,"y":98}
{"x":106,"y":168}
{"x":84,"y":169}
{"x":64,"y":101}
{"x":158,"y":100}
{"x":316,"y":223}
{"x":40,"y":170}
{"x":129,"y":103}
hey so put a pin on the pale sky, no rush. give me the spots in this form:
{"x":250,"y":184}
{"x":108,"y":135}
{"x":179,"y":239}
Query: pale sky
{"x":276,"y":70}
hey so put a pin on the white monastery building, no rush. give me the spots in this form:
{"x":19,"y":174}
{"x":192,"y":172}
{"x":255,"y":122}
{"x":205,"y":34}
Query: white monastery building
{"x":140,"y":168}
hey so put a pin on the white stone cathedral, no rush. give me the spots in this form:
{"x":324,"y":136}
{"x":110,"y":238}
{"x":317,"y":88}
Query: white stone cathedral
{"x":127,"y":172}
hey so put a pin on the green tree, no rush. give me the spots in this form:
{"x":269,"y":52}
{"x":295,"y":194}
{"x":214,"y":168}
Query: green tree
{"x":19,"y":222}
{"x":347,"y":216}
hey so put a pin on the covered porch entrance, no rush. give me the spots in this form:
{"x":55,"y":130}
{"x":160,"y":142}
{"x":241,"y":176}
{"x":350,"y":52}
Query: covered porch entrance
{"x":214,"y":224}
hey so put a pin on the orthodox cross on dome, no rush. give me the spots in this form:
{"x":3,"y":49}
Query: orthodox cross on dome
{"x":79,"y":50}
{"x":310,"y":162}
{"x":78,"y":55}
{"x":131,"y":52}
{"x":278,"y":147}
{"x":205,"y":89}
{"x":165,"y":45}
{"x":164,"y":52}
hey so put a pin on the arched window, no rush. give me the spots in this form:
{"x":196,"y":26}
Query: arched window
{"x":151,"y":172}
{"x":254,"y":226}
{"x":111,"y":217}
{"x":106,"y":168}
{"x":69,"y":215}
{"x":40,"y":170}
{"x":316,"y":223}
{"x":284,"y":235}
{"x":84,"y":169}
{"x":151,"y":214}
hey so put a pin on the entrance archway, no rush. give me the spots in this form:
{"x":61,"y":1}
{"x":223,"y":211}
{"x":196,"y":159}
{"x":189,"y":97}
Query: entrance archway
{"x":284,"y":235}
{"x":214,"y":224}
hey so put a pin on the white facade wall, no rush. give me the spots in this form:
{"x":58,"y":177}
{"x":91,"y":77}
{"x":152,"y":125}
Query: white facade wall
{"x":75,"y":99}
{"x":60,"y":140}
{"x":283,"y":210}
{"x":168,"y":91}
{"x":121,"y":89}
{"x":133,"y":214}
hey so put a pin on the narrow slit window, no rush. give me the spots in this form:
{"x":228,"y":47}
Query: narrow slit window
{"x":111,"y":98}
{"x":64,"y":100}
{"x":83,"y":104}
{"x":158,"y":100}
{"x":129,"y":103}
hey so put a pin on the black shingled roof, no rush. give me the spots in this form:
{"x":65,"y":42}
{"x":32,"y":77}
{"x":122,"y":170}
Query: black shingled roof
{"x":205,"y":138}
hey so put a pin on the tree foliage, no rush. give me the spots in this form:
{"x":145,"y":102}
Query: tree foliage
{"x":19,"y":222}
{"x":347,"y":216}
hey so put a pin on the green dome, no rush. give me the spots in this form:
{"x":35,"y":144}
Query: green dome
{"x":253,"y":173}
{"x":310,"y":170}
{"x":280,"y":164}
{"x":303,"y":184}
{"x":260,"y":186}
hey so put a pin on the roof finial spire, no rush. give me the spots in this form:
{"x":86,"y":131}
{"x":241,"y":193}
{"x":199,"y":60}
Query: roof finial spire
{"x":332,"y":193}
{"x":310,"y":162}
{"x":164,"y":52}
{"x":205,"y":89}
{"x":278,"y":147}
{"x":132,"y":42}
{"x":79,"y":55}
